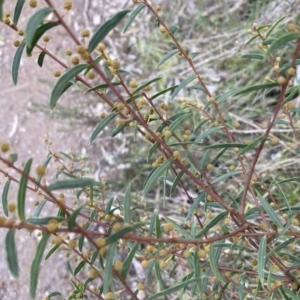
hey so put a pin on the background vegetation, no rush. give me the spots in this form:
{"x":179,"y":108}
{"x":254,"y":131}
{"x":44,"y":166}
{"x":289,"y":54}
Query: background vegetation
{"x":219,"y":38}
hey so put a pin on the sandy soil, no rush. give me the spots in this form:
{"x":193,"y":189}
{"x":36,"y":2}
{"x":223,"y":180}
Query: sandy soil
{"x":26,"y":130}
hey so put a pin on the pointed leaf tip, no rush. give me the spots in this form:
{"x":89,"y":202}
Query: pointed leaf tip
{"x":35,"y":266}
{"x":22,"y":190}
{"x":64,"y":82}
{"x":105,"y":28}
{"x":132,"y":16}
{"x":34,"y":22}
{"x":16,"y":62}
{"x":11,"y":253}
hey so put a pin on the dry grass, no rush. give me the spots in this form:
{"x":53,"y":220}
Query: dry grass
{"x":217,"y":30}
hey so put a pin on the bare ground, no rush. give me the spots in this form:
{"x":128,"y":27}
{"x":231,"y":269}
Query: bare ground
{"x":26,"y":130}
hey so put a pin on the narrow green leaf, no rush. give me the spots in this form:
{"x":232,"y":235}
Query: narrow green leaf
{"x":35,"y":266}
{"x":109,"y":206}
{"x":197,"y":269}
{"x":261,"y":259}
{"x":282,"y":295}
{"x":102,"y":125}
{"x":242,"y":282}
{"x":13,"y":157}
{"x":185,"y":143}
{"x":152,"y":150}
{"x":16,"y":62}
{"x":119,"y":129}
{"x":44,"y":221}
{"x":169,"y":121}
{"x":256,"y":88}
{"x":11,"y":253}
{"x":282,"y":40}
{"x":250,"y":40}
{"x":212,"y":223}
{"x":171,"y":88}
{"x":270,"y":211}
{"x":54,"y":294}
{"x":281,"y":122}
{"x":1,"y":9}
{"x":191,"y":160}
{"x":292,"y":93}
{"x":41,"y":57}
{"x":273,"y":26}
{"x":179,"y":120}
{"x":174,"y":29}
{"x":225,"y":145}
{"x":38,"y":34}
{"x":252,"y":145}
{"x":4,"y":197}
{"x":108,"y":271}
{"x":133,"y":97}
{"x":195,"y":205}
{"x":61,"y":214}
{"x":86,"y":284}
{"x":127,"y":205}
{"x":200,"y":124}
{"x":90,"y":67}
{"x":207,"y":133}
{"x":177,"y":179}
{"x":69,"y":268}
{"x":194,"y":54}
{"x":282,"y":245}
{"x":18,"y":10}
{"x":79,"y":267}
{"x":39,"y":208}
{"x":284,"y":195}
{"x":205,"y":159}
{"x":144,"y":85}
{"x":158,"y":276}
{"x":117,"y":235}
{"x":166,"y":57}
{"x":102,"y":86}
{"x":72,"y":184}
{"x":157,"y":227}
{"x":152,"y":224}
{"x":74,"y":215}
{"x":223,"y":97}
{"x":64,"y":81}
{"x":105,"y":28}
{"x":22,"y":190}
{"x":214,"y":256}
{"x":197,"y":87}
{"x":288,"y":65}
{"x":94,"y":257}
{"x":183,"y":84}
{"x":128,"y":261}
{"x":34,"y":22}
{"x":149,"y":269}
{"x":295,"y":110}
{"x":253,"y":56}
{"x":290,"y":293}
{"x":52,"y":250}
{"x":226,"y":175}
{"x":172,"y":289}
{"x":291,"y":179}
{"x":153,"y":176}
{"x":85,"y":227}
{"x":69,"y":157}
{"x":214,"y":161}
{"x":132,"y":16}
{"x":204,"y":280}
